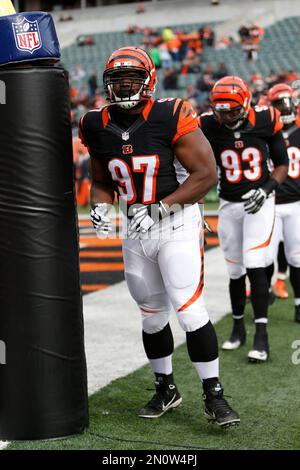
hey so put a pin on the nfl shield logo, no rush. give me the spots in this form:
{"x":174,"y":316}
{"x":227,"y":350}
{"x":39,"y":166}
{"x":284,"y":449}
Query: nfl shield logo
{"x":27,"y":35}
{"x":125,"y":136}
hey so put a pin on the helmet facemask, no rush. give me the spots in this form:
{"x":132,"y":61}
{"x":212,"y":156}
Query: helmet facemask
{"x":232,"y":118}
{"x":126,"y":86}
{"x":287,"y":109}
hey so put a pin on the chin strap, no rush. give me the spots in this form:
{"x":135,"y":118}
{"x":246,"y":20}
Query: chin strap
{"x":126,"y":103}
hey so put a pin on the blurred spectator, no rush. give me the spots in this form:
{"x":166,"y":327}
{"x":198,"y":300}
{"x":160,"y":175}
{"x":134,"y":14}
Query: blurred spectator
{"x":271,"y":79}
{"x":257,"y":86}
{"x":196,"y":95}
{"x":84,"y":40}
{"x":65,"y":18}
{"x":93,"y":85}
{"x":170,"y":80}
{"x":256,"y":81}
{"x":291,"y":76}
{"x":194,"y":42}
{"x":83,"y":96}
{"x":140,"y":9}
{"x":174,"y":46}
{"x":167,"y":34}
{"x":208,"y":36}
{"x":281,"y":76}
{"x":220,"y":72}
{"x":244,"y":33}
{"x":131,"y":29}
{"x":78,"y":74}
{"x":251,"y":51}
{"x":224,"y":42}
{"x":191,"y":63}
{"x":165,"y":56}
{"x":81,"y":164}
{"x":206,"y":81}
{"x":251,"y":35}
{"x":154,"y":52}
{"x":99,"y":100}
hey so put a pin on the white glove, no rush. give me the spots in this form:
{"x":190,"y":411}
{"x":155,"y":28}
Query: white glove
{"x":101,"y":222}
{"x":254,"y":200}
{"x":141,"y":222}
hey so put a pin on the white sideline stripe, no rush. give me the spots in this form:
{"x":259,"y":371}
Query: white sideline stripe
{"x":113,"y":338}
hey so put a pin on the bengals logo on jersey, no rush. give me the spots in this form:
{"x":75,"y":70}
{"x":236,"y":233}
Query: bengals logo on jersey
{"x":239,"y":144}
{"x":127,"y":149}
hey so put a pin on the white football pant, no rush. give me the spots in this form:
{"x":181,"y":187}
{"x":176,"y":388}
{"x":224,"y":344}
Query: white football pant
{"x":287,"y":227}
{"x":168,"y":270}
{"x":245,"y":238}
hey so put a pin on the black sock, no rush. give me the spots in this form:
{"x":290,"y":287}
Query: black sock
{"x":269,"y":273}
{"x":261,"y":328}
{"x":259,"y":292}
{"x":164,"y":379}
{"x":237,"y":291}
{"x":159,"y":344}
{"x":295,"y":280}
{"x":202,"y":344}
{"x":281,"y":259}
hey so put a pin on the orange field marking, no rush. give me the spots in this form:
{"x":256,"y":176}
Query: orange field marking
{"x":101,"y":254}
{"x":91,"y":287}
{"x":95,"y":242}
{"x":212,"y":222}
{"x":212,"y":241}
{"x":92,"y":267}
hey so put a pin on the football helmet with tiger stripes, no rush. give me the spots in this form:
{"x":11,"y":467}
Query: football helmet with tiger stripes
{"x":129,"y":77}
{"x":230,"y":101}
{"x":281,"y":96}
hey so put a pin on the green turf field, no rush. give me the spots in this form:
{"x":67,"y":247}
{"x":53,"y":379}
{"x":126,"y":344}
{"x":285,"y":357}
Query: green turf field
{"x":266,"y":396}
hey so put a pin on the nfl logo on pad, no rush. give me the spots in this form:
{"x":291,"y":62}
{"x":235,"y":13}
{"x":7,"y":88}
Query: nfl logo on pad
{"x":27,"y":35}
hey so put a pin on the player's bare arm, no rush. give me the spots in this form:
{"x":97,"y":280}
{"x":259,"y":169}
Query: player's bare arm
{"x":101,"y":183}
{"x":102,"y":197}
{"x":195,"y":154}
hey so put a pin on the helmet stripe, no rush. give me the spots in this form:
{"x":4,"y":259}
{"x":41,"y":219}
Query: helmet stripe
{"x":137,"y":50}
{"x":126,"y":56}
{"x":229,"y":85}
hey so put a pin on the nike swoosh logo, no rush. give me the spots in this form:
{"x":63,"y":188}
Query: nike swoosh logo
{"x":168,"y":404}
{"x":175,"y":228}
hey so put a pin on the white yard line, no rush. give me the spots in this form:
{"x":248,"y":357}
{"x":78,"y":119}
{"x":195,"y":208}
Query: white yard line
{"x":113,"y":339}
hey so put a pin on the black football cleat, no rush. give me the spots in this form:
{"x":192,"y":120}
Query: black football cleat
{"x":236,"y":340}
{"x":166,"y":398}
{"x":217,"y":408}
{"x":260,"y":350}
{"x":297,"y":313}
